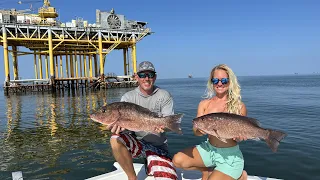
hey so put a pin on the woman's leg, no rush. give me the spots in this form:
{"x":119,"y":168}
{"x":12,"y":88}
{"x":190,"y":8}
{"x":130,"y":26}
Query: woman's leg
{"x":190,"y":159}
{"x":219,"y":175}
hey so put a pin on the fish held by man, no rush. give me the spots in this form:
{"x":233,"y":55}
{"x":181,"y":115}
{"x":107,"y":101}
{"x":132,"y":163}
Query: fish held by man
{"x":136,"y":118}
{"x":227,"y":126}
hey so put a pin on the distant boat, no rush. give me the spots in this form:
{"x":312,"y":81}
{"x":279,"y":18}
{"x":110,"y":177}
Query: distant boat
{"x":190,"y":76}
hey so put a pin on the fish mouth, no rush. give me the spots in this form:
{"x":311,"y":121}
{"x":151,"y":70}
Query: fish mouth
{"x":93,"y":117}
{"x":194,"y":123}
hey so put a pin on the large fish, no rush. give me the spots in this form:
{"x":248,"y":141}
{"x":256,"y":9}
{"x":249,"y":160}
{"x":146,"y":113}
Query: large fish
{"x":136,"y":118}
{"x":227,"y":126}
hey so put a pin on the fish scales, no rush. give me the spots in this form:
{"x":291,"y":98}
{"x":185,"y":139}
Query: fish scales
{"x":136,"y":118}
{"x":227,"y":126}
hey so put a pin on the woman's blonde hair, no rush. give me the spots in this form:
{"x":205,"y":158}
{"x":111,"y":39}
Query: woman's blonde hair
{"x":234,"y":97}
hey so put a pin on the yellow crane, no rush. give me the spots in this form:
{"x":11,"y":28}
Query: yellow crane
{"x":47,"y":13}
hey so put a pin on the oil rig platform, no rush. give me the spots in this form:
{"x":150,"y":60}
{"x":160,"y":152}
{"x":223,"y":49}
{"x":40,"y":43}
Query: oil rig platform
{"x":71,"y":54}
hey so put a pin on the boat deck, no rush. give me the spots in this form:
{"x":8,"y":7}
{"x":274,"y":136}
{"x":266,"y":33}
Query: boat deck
{"x":140,"y":171}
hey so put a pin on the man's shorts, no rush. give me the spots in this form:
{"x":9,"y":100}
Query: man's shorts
{"x":159,"y":164}
{"x":226,"y":160}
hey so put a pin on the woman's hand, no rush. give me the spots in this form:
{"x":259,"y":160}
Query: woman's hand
{"x":202,"y":132}
{"x":198,"y":132}
{"x":240,"y":138}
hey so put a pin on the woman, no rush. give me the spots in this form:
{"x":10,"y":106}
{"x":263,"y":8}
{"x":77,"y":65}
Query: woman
{"x":222,"y":95}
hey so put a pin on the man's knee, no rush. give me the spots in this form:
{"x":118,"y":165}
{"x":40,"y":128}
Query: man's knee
{"x":116,"y":143}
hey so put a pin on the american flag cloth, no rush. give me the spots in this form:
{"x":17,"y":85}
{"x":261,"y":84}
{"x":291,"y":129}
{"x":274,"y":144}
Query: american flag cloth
{"x":159,"y":164}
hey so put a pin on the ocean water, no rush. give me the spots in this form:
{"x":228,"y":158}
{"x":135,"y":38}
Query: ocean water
{"x":50,"y":136}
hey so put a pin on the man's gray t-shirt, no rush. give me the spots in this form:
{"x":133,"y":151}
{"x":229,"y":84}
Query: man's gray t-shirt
{"x":161,"y":102}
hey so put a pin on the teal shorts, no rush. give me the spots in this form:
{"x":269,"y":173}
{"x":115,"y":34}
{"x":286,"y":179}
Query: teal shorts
{"x":226,"y":160}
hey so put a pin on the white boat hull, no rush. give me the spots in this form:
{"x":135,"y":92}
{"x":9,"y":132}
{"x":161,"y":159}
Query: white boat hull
{"x":119,"y":174}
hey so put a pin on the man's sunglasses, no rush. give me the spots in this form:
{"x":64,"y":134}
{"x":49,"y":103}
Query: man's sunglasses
{"x":223,"y":80}
{"x":144,"y":75}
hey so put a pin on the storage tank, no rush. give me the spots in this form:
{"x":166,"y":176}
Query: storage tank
{"x":74,"y":23}
{"x":20,"y":18}
{"x":6,"y":18}
{"x":35,"y":19}
{"x":79,"y":23}
{"x":51,"y":20}
{"x":27,"y":19}
{"x":85,"y":23}
{"x":69,"y":24}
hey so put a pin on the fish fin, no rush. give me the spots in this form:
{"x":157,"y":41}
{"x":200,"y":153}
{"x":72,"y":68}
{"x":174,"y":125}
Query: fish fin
{"x":155,"y":133}
{"x":174,"y":123}
{"x":242,"y":118}
{"x":274,"y":139}
{"x":254,"y":121}
{"x":220,"y":138}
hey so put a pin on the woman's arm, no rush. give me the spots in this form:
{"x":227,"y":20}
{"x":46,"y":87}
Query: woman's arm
{"x":243,"y":112}
{"x":200,"y":112}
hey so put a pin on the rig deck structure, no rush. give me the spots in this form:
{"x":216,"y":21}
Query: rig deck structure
{"x":69,"y":55}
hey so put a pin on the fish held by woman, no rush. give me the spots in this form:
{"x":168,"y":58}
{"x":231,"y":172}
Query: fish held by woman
{"x":227,"y":126}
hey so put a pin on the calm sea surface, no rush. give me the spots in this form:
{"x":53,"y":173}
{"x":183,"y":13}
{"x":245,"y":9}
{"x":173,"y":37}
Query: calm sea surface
{"x":50,"y":136}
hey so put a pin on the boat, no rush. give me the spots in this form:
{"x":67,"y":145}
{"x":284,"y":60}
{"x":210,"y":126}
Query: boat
{"x":119,"y":174}
{"x":190,"y":76}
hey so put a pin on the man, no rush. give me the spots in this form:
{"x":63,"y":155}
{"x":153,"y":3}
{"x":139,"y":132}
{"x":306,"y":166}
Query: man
{"x":127,"y":145}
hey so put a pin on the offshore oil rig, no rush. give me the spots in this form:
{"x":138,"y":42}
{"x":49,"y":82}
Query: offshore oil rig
{"x":71,"y":54}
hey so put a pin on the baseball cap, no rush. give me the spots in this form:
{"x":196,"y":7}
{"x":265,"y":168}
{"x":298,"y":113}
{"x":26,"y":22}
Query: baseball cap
{"x":146,"y":66}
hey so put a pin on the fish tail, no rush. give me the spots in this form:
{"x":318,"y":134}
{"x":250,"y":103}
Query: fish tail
{"x":174,"y":123}
{"x":274,"y":139}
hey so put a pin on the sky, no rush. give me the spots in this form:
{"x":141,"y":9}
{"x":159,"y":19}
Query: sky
{"x":253,"y":37}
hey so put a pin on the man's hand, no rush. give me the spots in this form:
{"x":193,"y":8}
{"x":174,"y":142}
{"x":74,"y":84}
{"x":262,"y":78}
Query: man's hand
{"x":159,"y":129}
{"x":240,"y":138}
{"x":115,"y":129}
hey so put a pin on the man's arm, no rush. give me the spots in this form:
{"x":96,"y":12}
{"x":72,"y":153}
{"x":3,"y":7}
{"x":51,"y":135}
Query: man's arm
{"x":124,"y":98}
{"x":166,"y":109}
{"x":167,"y":106}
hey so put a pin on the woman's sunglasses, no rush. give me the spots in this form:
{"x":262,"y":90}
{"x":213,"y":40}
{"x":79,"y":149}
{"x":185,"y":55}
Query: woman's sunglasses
{"x":144,"y":75}
{"x":223,"y":80}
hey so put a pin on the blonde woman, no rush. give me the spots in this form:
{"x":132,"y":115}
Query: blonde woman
{"x":222,"y":95}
